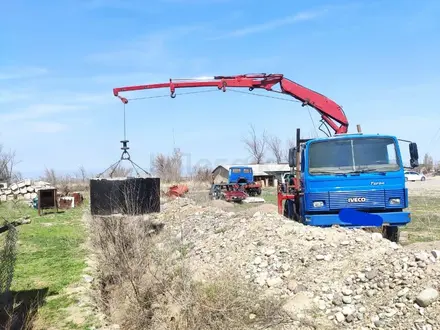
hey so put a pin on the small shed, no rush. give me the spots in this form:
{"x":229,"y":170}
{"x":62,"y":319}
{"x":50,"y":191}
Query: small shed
{"x":267,"y":174}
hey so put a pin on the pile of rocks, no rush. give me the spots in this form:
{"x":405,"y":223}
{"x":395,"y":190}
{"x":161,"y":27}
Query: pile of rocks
{"x":23,"y":190}
{"x":345,"y":278}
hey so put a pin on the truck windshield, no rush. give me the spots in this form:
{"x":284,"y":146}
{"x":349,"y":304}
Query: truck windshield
{"x":353,"y":155}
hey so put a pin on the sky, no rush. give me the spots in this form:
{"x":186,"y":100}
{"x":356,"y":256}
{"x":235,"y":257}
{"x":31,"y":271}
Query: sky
{"x":60,"y":61}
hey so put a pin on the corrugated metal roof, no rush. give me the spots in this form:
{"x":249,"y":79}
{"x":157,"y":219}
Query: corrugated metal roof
{"x":260,"y":169}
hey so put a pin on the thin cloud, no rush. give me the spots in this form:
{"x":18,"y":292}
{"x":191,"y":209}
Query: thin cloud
{"x":146,"y":51}
{"x":13,"y":95}
{"x":270,"y":25}
{"x":10,"y":73}
{"x":36,"y":111}
{"x":46,"y":127}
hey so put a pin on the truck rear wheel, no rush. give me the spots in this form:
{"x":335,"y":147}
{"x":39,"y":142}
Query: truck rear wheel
{"x":391,"y":233}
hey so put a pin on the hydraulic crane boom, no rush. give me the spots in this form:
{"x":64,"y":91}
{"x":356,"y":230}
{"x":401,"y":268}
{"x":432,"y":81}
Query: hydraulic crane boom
{"x":331,"y":113}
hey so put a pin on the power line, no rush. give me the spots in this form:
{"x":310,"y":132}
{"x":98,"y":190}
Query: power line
{"x":435,"y":136}
{"x":268,"y":96}
{"x":210,"y":91}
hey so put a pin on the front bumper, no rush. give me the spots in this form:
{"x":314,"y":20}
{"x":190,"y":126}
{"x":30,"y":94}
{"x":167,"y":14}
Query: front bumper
{"x":327,"y":220}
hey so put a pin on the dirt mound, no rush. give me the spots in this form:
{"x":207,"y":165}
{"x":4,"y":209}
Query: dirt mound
{"x":333,"y":278}
{"x":263,"y":209}
{"x":223,"y":205}
{"x":347,"y":277}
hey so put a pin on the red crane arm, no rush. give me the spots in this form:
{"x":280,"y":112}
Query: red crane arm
{"x":331,"y":113}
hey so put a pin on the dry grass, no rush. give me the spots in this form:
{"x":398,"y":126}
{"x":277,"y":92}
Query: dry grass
{"x":145,"y":284}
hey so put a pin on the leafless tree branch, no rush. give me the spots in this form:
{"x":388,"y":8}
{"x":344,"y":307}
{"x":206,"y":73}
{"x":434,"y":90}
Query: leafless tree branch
{"x":8,"y":162}
{"x":169,"y":168}
{"x":275,"y":145}
{"x":256,"y":146}
{"x":290,"y":144}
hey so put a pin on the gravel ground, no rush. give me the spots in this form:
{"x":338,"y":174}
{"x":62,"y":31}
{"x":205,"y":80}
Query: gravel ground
{"x":346,"y":279}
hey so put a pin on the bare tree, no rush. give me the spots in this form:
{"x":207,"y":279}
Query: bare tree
{"x":274,"y":144}
{"x":169,"y":168}
{"x":50,"y":176}
{"x":290,"y":144}
{"x":202,"y":173}
{"x":121,"y":172}
{"x":61,"y":182}
{"x":8,"y":162}
{"x":82,"y":173}
{"x":437,"y":168}
{"x":428,"y":163}
{"x":256,"y":146}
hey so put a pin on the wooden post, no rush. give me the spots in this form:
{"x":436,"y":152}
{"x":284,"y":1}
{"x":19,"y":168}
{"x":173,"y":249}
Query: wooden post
{"x":359,"y":129}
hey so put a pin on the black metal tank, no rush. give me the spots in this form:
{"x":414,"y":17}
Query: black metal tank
{"x":131,"y":196}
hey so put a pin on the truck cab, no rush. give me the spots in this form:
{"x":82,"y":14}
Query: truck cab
{"x":240,"y":175}
{"x":352,"y":180}
{"x":244,"y":177}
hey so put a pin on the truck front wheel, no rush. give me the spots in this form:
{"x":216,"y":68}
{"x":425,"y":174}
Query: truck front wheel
{"x":391,"y":233}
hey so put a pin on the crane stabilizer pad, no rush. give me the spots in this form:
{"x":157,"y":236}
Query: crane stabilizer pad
{"x":359,"y":218}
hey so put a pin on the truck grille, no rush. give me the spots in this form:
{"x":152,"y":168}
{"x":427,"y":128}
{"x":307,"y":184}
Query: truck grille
{"x":361,"y":199}
{"x":357,"y":199}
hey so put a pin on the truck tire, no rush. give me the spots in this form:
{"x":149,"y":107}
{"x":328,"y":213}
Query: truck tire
{"x":297,"y":214}
{"x":391,"y":233}
{"x":288,"y":209}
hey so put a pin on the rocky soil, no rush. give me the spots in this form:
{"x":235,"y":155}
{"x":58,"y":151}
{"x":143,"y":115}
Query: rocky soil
{"x":343,"y":278}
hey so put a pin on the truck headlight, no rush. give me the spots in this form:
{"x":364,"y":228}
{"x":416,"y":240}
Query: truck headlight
{"x":394,"y":201}
{"x":318,"y":204}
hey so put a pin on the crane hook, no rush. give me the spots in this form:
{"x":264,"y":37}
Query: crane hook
{"x":224,"y":84}
{"x":251,"y":89}
{"x":172,"y":89}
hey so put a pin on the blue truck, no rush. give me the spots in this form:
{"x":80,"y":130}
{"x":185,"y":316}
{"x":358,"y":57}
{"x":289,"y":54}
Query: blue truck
{"x":240,"y":185}
{"x":244,"y":176}
{"x":351,"y":180}
{"x":240,"y":174}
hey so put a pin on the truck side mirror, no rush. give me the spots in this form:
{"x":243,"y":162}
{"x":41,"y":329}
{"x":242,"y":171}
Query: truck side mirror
{"x":292,"y":157}
{"x":414,"y":155}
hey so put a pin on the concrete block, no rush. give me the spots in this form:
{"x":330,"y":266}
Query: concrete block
{"x":13,"y":186}
{"x":41,"y":183}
